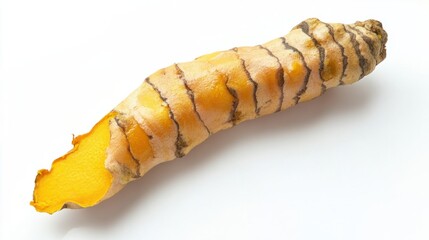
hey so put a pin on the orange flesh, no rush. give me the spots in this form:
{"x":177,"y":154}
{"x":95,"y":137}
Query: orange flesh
{"x":79,"y":177}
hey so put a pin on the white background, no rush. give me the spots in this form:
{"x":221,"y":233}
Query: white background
{"x":353,"y":164}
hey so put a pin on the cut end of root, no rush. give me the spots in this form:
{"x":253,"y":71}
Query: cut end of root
{"x":79,"y":178}
{"x":377,"y":28}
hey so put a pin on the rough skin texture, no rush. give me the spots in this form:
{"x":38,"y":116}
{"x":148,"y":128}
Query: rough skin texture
{"x":180,"y":106}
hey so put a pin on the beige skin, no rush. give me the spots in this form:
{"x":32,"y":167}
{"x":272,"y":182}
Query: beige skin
{"x":180,"y":106}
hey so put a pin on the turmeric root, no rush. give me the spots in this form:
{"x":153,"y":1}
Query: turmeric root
{"x":180,"y":106}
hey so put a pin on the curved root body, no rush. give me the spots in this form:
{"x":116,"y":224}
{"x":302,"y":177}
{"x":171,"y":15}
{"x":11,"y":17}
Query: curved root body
{"x":179,"y":106}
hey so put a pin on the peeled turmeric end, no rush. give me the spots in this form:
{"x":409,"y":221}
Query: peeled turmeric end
{"x":79,"y":178}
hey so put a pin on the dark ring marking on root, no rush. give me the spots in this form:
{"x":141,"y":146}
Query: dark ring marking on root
{"x":124,"y":131}
{"x":279,"y":76}
{"x":306,"y":29}
{"x":367,"y":40}
{"x":191,"y":96}
{"x":343,"y":56}
{"x":307,"y":74}
{"x":180,"y":142}
{"x":254,"y":83}
{"x":363,"y":63}
{"x":233,"y":115}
